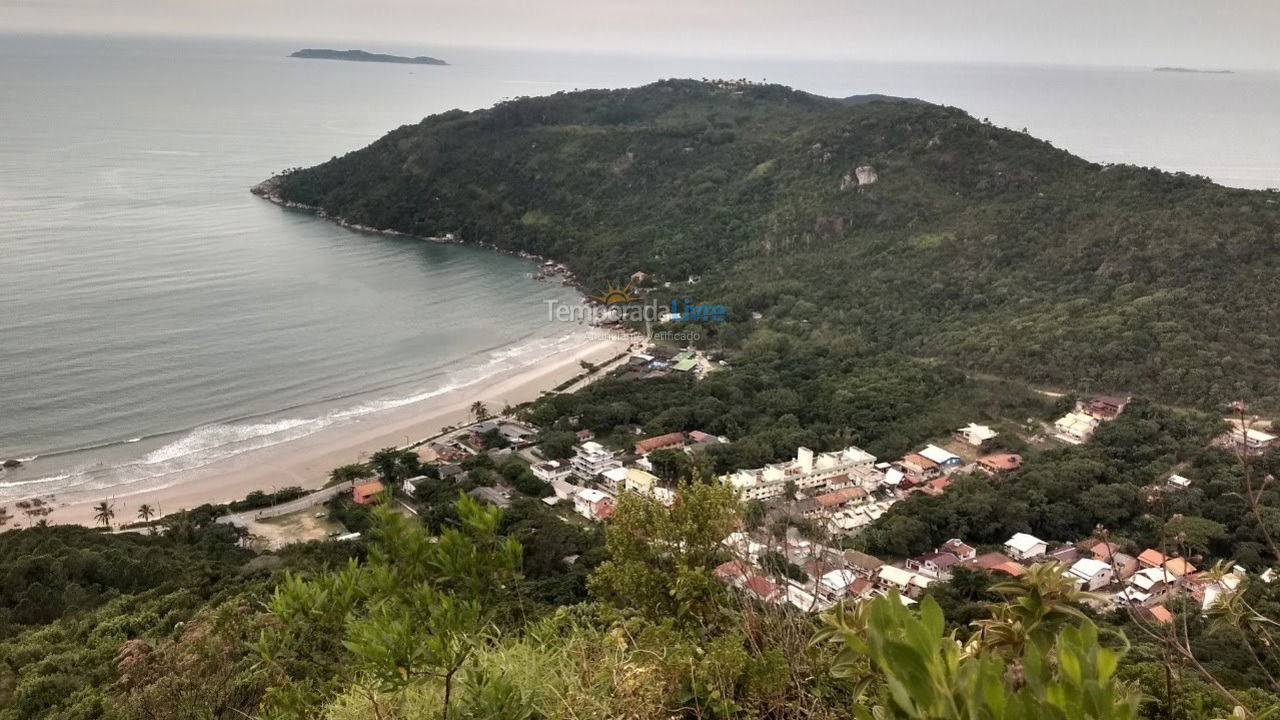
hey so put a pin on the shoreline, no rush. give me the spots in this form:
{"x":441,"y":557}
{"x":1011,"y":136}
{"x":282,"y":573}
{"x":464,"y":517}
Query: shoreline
{"x":306,"y":461}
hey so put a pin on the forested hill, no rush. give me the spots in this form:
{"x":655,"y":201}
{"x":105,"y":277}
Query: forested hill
{"x":974,"y":244}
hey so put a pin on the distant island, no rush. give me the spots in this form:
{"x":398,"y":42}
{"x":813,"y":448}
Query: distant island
{"x":363,"y":56}
{"x":1194,"y":70}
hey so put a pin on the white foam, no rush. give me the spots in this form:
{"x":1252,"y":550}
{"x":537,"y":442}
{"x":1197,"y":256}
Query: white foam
{"x":212,"y":443}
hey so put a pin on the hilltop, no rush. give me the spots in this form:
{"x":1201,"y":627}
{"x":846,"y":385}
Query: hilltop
{"x":892,"y":225}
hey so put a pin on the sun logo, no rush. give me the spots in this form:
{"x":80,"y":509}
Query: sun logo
{"x":613,"y":294}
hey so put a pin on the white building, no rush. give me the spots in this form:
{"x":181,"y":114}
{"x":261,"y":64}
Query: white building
{"x":1075,"y":427}
{"x":552,"y":470}
{"x":841,"y":467}
{"x":836,"y":583}
{"x":591,"y":459}
{"x":1091,"y":573}
{"x":1024,"y":547}
{"x":593,"y":504}
{"x":975,"y":434}
{"x":945,"y":459}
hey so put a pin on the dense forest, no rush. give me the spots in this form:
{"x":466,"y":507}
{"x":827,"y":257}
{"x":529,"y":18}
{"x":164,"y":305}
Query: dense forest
{"x":874,"y":226}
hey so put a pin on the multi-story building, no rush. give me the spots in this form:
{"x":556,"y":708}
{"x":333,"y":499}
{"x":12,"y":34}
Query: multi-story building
{"x":839,"y":468}
{"x":590,"y":459}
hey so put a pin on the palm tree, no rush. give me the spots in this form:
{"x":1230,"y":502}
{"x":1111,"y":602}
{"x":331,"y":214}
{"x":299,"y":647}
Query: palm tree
{"x":479,"y":411}
{"x":104,"y":513}
{"x":145,"y":513}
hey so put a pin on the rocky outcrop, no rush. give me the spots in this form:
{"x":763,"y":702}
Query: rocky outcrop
{"x":866,"y":175}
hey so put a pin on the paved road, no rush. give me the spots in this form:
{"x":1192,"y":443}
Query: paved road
{"x":319,"y":497}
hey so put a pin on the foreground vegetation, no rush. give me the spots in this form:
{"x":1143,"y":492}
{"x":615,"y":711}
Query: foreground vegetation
{"x":444,"y":622}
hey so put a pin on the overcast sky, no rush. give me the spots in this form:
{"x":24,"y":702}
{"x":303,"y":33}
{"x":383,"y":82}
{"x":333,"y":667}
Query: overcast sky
{"x":1208,"y":33}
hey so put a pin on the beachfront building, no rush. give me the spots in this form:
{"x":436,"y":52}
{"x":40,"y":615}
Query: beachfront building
{"x":839,"y":468}
{"x":366,"y":493}
{"x":591,"y":459}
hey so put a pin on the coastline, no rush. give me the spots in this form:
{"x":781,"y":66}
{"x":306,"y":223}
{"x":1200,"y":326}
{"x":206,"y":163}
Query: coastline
{"x":306,"y":461}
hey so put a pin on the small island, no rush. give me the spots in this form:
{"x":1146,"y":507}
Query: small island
{"x":1193,"y":70}
{"x":364,"y":56}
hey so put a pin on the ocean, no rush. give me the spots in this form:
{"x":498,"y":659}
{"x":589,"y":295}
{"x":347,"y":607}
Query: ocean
{"x":159,"y":318}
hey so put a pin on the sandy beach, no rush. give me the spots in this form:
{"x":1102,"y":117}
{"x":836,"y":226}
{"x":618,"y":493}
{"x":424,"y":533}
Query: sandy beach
{"x":306,"y":462}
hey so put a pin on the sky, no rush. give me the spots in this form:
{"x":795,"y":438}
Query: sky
{"x":1234,"y":34}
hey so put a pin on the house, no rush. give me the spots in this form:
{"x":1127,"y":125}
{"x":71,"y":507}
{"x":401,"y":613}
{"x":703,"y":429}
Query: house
{"x":451,"y":471}
{"x":1179,"y":567}
{"x":918,"y":466}
{"x":839,"y":498}
{"x":643,"y":483}
{"x":1099,"y":549}
{"x":585,"y":435}
{"x":366,"y":493}
{"x":995,"y":562}
{"x":1024,"y":547}
{"x":1107,"y":407}
{"x":936,"y":486}
{"x":999,"y":464}
{"x":1159,"y":613}
{"x":1151,"y":558}
{"x":427,"y":455}
{"x":410,"y":485}
{"x":493,"y":496}
{"x":893,"y":477}
{"x":699,"y":440}
{"x":1066,"y":555}
{"x":732,"y":572}
{"x":1075,"y":427}
{"x":905,"y":582}
{"x":593,"y":504}
{"x":638,"y":277}
{"x":660,"y":442}
{"x":552,"y":470}
{"x":1125,"y":565}
{"x":590,"y":459}
{"x":946,"y":460}
{"x":763,"y":589}
{"x":1148,"y":587}
{"x":686,"y":365}
{"x":935,"y":564}
{"x":862,"y":563}
{"x":957,"y":547}
{"x":1092,"y":574}
{"x":975,"y":435}
{"x":1178,"y":481}
{"x":1249,"y":440}
{"x":836,"y":584}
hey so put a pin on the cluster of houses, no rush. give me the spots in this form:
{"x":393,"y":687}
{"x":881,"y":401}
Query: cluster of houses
{"x":595,"y":475}
{"x":929,"y":469}
{"x":1078,"y":426}
{"x":1145,"y":581}
{"x":660,"y":361}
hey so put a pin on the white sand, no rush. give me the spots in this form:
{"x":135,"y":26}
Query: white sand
{"x":306,"y":462}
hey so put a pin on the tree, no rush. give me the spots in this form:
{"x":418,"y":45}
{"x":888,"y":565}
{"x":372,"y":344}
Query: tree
{"x":145,"y":513}
{"x":479,"y":411}
{"x":104,"y":513}
{"x":394,"y":464}
{"x":417,"y":610}
{"x":661,"y":559}
{"x":349,"y":473}
{"x":921,"y":673}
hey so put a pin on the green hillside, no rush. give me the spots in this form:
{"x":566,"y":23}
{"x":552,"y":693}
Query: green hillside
{"x":978,"y":245}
